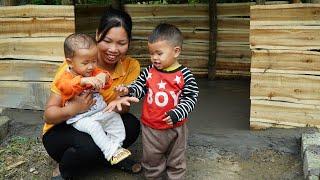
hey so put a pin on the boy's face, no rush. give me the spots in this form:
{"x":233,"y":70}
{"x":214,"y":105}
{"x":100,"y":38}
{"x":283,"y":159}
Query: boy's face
{"x":163,"y":54}
{"x":84,"y":61}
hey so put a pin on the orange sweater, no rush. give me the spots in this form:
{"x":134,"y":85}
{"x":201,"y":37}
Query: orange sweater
{"x":69,"y":84}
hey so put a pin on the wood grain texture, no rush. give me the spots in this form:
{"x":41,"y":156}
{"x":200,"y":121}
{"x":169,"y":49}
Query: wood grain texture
{"x":27,"y":70}
{"x":300,"y":89}
{"x":36,"y":27}
{"x":37,"y":11}
{"x":265,"y":114}
{"x":46,"y":48}
{"x":286,"y":62}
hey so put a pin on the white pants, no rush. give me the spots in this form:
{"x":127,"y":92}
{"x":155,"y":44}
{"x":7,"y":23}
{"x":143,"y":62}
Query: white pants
{"x":106,"y":129}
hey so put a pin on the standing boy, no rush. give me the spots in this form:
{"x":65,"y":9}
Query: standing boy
{"x":105,"y":128}
{"x":172,"y":93}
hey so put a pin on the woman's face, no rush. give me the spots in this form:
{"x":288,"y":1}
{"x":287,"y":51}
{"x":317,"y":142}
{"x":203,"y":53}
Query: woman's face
{"x":114,"y":46}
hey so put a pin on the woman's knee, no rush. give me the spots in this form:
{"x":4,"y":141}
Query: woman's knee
{"x":131,"y":122}
{"x":132,"y":126}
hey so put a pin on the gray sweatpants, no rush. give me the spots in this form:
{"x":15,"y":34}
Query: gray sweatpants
{"x":106,"y":129}
{"x":164,"y":152}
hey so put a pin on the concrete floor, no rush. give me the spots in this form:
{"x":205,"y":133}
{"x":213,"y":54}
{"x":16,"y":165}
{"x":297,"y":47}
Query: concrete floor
{"x":222,"y":105}
{"x":219,"y":125}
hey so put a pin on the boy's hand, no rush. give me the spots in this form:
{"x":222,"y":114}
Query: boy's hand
{"x":103,"y":78}
{"x":168,"y":120}
{"x":92,"y":81}
{"x":121,"y":90}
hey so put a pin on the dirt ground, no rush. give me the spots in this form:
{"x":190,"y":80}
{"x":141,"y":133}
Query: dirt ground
{"x":220,"y":144}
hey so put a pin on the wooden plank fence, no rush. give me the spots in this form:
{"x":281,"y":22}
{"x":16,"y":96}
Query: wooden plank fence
{"x":233,"y":51}
{"x":285,"y":66}
{"x":31,"y":42}
{"x":31,"y":49}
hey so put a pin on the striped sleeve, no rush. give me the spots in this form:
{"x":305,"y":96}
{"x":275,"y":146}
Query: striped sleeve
{"x":187,"y":99}
{"x":138,"y":87}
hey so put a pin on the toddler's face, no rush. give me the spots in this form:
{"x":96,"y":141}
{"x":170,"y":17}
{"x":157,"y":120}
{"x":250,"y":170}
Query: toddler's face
{"x":84,"y":61}
{"x":163,"y":54}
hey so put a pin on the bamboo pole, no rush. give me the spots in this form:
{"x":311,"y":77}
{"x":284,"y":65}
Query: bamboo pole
{"x":212,"y":39}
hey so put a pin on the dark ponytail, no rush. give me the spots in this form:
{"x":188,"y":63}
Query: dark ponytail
{"x":114,"y":18}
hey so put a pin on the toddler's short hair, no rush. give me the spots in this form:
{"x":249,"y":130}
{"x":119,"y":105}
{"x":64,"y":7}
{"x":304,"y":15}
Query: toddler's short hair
{"x":166,"y":32}
{"x":77,"y":41}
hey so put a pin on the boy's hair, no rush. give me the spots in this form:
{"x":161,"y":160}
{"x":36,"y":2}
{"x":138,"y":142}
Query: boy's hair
{"x":166,"y":32}
{"x":77,"y":41}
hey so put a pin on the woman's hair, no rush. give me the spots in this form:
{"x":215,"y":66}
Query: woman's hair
{"x":77,"y":41}
{"x":166,"y":32}
{"x":114,"y":18}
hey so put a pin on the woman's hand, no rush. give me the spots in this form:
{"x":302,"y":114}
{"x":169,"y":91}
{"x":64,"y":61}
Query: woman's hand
{"x":55,"y":114}
{"x":80,"y":104}
{"x":118,"y":103}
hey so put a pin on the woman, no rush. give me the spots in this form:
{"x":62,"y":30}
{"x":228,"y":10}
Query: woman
{"x":75,"y":151}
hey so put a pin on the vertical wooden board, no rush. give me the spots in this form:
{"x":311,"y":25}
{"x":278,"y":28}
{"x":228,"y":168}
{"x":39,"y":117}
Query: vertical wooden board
{"x":35,"y":27}
{"x":50,"y":49}
{"x":302,"y":89}
{"x":24,"y":95}
{"x":286,"y":61}
{"x":27,"y":70}
{"x":37,"y":11}
{"x":283,"y":114}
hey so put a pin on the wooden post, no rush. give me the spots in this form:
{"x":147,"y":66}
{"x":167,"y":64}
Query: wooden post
{"x":212,"y":39}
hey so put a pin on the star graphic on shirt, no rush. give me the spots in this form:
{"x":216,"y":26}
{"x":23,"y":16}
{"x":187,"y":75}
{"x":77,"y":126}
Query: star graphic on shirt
{"x":162,"y":85}
{"x":177,"y":79}
{"x":149,"y":76}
